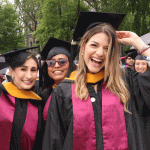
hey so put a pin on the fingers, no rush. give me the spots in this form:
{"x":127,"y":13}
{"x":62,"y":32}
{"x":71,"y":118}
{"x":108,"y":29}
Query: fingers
{"x":130,"y":38}
{"x":123,"y":34}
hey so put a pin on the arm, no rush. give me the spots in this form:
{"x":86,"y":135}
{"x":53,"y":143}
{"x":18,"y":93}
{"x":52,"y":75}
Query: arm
{"x":131,"y":38}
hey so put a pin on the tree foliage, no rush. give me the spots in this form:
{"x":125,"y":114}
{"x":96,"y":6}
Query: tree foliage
{"x":58,"y":19}
{"x":11,"y":35}
{"x":137,"y":13}
{"x":141,"y":11}
{"x":28,"y":10}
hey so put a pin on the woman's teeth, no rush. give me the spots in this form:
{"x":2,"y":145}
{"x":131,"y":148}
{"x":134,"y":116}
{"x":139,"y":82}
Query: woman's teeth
{"x":27,"y":81}
{"x":96,"y":60}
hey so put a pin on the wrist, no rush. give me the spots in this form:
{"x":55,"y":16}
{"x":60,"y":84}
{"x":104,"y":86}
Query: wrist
{"x":139,"y":46}
{"x":145,"y":48}
{"x":138,"y":43}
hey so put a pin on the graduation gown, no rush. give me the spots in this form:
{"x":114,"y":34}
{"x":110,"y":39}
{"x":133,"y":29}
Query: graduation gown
{"x":21,"y":123}
{"x":140,"y":83}
{"x":59,"y":125}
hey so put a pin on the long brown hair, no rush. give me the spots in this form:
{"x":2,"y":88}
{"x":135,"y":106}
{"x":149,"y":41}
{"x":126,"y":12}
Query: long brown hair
{"x":113,"y":74}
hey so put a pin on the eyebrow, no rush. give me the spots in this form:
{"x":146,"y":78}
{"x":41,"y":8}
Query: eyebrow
{"x":95,"y":42}
{"x":27,"y":66}
{"x":98,"y":43}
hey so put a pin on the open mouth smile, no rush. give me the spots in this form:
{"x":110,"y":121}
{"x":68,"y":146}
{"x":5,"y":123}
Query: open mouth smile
{"x":96,"y":60}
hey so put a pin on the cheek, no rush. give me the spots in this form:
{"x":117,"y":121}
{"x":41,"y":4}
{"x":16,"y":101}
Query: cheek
{"x":65,"y":69}
{"x":136,"y":67}
{"x":18,"y":75}
{"x":35,"y":76}
{"x":145,"y":67}
{"x":49,"y":70}
{"x":17,"y":79}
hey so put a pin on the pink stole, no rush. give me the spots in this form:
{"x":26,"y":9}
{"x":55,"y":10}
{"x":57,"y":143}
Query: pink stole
{"x":45,"y":111}
{"x":7,"y":109}
{"x":113,"y":123}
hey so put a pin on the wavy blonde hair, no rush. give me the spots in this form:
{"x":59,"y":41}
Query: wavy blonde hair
{"x":113,"y":74}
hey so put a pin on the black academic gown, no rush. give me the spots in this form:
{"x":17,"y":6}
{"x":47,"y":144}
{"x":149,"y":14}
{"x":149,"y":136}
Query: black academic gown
{"x":45,"y":94}
{"x":59,"y":126}
{"x":140,"y":83}
{"x":21,"y":123}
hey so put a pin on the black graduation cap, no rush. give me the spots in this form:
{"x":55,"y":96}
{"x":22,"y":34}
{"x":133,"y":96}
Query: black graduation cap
{"x":131,"y":53}
{"x":54,"y":47}
{"x":88,"y":20}
{"x":140,"y":57}
{"x":16,"y":57}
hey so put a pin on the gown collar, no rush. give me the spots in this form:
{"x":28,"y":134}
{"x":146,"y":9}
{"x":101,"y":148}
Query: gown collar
{"x":54,"y":85}
{"x":22,"y":94}
{"x":90,"y":78}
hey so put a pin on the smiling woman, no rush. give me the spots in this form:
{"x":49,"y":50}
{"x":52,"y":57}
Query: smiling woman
{"x":56,"y":54}
{"x":141,"y":64}
{"x":96,"y":52}
{"x":24,"y":77}
{"x":20,"y":108}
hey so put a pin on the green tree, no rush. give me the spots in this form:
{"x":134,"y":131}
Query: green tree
{"x":11,"y":31}
{"x":137,"y":13}
{"x":58,"y":19}
{"x":94,"y":4}
{"x":28,"y":10}
{"x":141,"y":11}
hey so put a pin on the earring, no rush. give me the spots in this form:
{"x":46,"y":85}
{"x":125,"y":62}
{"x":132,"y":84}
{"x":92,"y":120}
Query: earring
{"x":82,"y":54}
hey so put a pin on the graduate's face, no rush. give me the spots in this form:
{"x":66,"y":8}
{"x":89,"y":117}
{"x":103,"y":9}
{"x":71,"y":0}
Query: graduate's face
{"x":95,"y":52}
{"x":24,"y":77}
{"x":140,"y":66}
{"x":58,"y":73}
{"x":130,"y":61}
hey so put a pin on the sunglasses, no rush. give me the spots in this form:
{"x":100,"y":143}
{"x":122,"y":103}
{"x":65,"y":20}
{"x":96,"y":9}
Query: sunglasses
{"x":61,"y":62}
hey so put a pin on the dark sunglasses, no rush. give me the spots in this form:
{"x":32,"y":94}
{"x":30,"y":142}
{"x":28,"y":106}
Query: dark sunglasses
{"x":61,"y":62}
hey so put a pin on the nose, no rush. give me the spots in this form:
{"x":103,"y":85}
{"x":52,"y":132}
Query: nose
{"x":140,"y":66}
{"x":100,"y":51}
{"x":29,"y":74}
{"x":57,"y":65}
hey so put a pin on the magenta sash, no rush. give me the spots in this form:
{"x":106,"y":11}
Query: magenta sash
{"x":7,"y":109}
{"x":84,"y":137}
{"x":113,"y":123}
{"x":45,"y":111}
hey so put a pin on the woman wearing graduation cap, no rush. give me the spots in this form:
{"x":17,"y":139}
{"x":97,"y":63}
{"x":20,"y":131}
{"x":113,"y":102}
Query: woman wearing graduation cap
{"x":92,"y":109}
{"x":56,"y":54}
{"x":21,"y":125}
{"x":141,"y":64}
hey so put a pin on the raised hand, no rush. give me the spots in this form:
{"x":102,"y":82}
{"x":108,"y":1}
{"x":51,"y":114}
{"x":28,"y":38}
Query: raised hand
{"x":130,"y":38}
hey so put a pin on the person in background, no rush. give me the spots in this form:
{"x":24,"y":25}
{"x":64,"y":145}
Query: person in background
{"x":129,"y":58}
{"x":141,"y":64}
{"x":7,"y":76}
{"x":21,"y":123}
